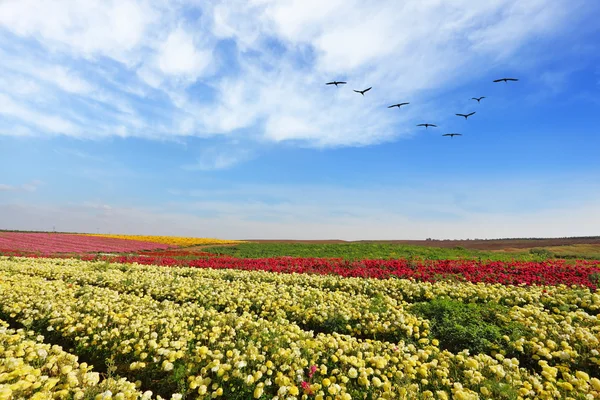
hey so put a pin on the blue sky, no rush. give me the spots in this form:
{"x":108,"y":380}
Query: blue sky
{"x":212,"y":118}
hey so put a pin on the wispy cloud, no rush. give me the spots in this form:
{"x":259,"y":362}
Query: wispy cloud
{"x":219,"y":157}
{"x":155,"y":70}
{"x":70,"y":152}
{"x":25,"y":187}
{"x":453,"y":199}
{"x":90,"y":217}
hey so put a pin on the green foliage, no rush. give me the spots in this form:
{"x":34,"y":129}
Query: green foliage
{"x":363,"y":250}
{"x":378,"y":304}
{"x":473,"y":326}
{"x":101,"y":266}
{"x":595,"y":278}
{"x":541,"y":252}
{"x":500,"y":390}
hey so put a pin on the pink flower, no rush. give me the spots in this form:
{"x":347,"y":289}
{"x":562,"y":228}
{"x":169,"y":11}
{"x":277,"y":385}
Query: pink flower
{"x":306,"y":387}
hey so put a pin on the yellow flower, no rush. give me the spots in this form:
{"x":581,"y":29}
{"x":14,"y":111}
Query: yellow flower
{"x":293,"y":391}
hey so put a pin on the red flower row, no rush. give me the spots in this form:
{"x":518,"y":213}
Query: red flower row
{"x":554,"y":272}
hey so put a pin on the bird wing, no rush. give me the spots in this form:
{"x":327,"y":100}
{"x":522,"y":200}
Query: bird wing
{"x":468,"y":115}
{"x":498,"y":80}
{"x":461,"y":115}
{"x":512,"y":79}
{"x":422,"y":125}
{"x":366,"y":90}
{"x":392,"y":106}
{"x":358,"y":91}
{"x":342,"y":83}
{"x":447,"y":134}
{"x":403,"y":104}
{"x":433,"y":125}
{"x":458,"y":134}
{"x":482,"y":97}
{"x":330,"y":83}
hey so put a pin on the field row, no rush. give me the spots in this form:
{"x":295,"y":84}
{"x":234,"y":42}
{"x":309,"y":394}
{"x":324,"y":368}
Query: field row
{"x":35,"y":370}
{"x":171,"y":240}
{"x":50,"y":243}
{"x":311,"y":308}
{"x":551,"y":272}
{"x":56,"y":243}
{"x":185,"y":347}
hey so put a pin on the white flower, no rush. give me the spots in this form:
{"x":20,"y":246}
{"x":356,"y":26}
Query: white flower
{"x":42,"y":353}
{"x":147,"y":395}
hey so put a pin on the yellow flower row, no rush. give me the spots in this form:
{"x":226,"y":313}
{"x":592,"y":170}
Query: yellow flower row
{"x":32,"y":369}
{"x":171,"y":240}
{"x":222,"y":353}
{"x":322,"y":310}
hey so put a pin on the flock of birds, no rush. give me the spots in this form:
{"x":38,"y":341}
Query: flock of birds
{"x":427,"y":125}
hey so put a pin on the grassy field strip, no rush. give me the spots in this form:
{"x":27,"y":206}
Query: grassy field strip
{"x":311,"y":308}
{"x":189,"y":349}
{"x":355,"y":251}
{"x":35,"y":370}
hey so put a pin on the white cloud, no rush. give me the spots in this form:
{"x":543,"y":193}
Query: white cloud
{"x":179,"y":56}
{"x":271,"y":82}
{"x":63,"y":78}
{"x":95,"y":27}
{"x":399,"y":49}
{"x":26,"y":187}
{"x":50,"y":123}
{"x":214,"y":158}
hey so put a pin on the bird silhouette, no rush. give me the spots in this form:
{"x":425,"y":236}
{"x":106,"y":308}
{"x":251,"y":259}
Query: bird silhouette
{"x":506,"y":80}
{"x":336,"y":83}
{"x":398,"y":105}
{"x":452,"y":134}
{"x":363,"y":91}
{"x":427,"y":125}
{"x":478,"y":98}
{"x":466,"y":115}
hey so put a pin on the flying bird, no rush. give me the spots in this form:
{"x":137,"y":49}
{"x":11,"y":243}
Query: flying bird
{"x":363,"y":91}
{"x":398,"y":105}
{"x":506,"y":80}
{"x":452,"y":134}
{"x":478,"y":98}
{"x":466,"y":115}
{"x":427,"y":125}
{"x":336,"y":83}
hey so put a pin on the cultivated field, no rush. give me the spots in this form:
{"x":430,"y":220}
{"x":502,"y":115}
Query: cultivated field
{"x":294,"y":321}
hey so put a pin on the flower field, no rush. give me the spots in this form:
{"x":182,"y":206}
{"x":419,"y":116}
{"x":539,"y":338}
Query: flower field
{"x":50,"y":243}
{"x":32,"y":369}
{"x":170,"y":240}
{"x":291,"y":328}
